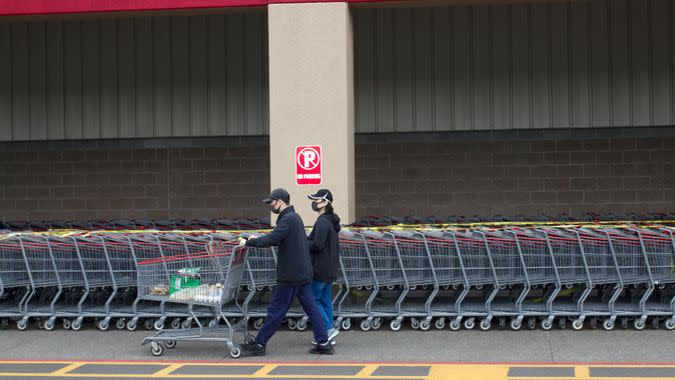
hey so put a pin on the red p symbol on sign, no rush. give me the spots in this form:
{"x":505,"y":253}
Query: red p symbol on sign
{"x":308,"y":165}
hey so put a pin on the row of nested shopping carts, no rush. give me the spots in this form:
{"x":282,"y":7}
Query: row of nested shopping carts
{"x":515,"y":277}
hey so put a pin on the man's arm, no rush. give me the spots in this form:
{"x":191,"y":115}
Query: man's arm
{"x":273,"y":238}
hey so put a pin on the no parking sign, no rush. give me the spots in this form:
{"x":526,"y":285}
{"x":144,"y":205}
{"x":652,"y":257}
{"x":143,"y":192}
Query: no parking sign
{"x":308,"y":165}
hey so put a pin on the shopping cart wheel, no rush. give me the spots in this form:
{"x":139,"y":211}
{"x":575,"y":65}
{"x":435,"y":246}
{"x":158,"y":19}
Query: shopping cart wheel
{"x":156,"y":349}
{"x":455,"y":325}
{"x":147,"y":324}
{"x":578,"y":324}
{"x":470,"y":323}
{"x":562,"y":323}
{"x":439,"y":324}
{"x":258,"y":323}
{"x":170,"y":344}
{"x":66,"y":324}
{"x":670,"y":324}
{"x":103,"y":326}
{"x":132,"y":325}
{"x":624,"y":322}
{"x":120,"y":324}
{"x":292,"y":324}
{"x":22,"y":325}
{"x":593,"y":323}
{"x":395,"y":325}
{"x":608,"y":325}
{"x":41,"y":325}
{"x":516,"y":324}
{"x":485,"y":324}
{"x":76,"y":325}
{"x":546,"y":324}
{"x":655,"y":323}
{"x":365,"y":325}
{"x":301,"y":325}
{"x":425,"y":325}
{"x":49,"y":326}
{"x":531,"y":323}
{"x":376,"y":323}
{"x":639,"y":324}
{"x":158,"y":325}
{"x":186,"y":324}
{"x":414,"y":323}
{"x":501,"y":323}
{"x":346,"y":324}
{"x":175,"y":324}
{"x":235,"y":352}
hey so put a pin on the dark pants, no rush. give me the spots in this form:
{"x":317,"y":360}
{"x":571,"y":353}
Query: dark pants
{"x":281,"y":301}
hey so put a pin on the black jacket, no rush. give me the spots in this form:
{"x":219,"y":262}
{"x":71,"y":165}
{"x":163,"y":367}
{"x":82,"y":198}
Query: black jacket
{"x":324,"y":245}
{"x":294,"y":267}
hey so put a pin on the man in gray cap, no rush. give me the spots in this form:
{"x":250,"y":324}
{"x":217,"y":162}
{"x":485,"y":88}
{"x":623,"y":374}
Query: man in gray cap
{"x":294,"y":276}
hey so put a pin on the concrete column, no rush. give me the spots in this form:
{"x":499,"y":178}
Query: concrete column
{"x":312,"y":99}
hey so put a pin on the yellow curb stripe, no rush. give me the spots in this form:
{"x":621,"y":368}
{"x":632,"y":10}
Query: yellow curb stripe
{"x":68,"y":368}
{"x":167,"y":370}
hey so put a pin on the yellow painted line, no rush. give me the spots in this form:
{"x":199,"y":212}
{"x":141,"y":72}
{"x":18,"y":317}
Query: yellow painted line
{"x":167,"y":370}
{"x":264,"y":371}
{"x":367,"y":370}
{"x":68,"y":368}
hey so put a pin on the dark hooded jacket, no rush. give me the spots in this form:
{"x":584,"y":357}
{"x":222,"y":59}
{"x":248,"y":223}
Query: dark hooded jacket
{"x":294,"y":267}
{"x":324,"y":246}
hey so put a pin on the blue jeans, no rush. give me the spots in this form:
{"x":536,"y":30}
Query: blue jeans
{"x":281,"y":301}
{"x":323,"y":294}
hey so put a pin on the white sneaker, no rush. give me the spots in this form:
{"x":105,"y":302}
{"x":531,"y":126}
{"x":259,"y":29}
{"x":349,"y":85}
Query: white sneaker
{"x":333,"y":333}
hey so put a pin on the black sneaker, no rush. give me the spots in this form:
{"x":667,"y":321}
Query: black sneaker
{"x":253,"y":349}
{"x":323,"y":349}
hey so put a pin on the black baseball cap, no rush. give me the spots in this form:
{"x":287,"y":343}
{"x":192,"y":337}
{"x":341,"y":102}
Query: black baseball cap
{"x":322,"y":194}
{"x":278,"y":194}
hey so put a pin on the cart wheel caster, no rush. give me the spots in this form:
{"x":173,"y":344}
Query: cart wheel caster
{"x":103,"y":326}
{"x":249,"y":340}
{"x":395,"y":325}
{"x":439,"y":324}
{"x":147,"y":324}
{"x":531,"y":324}
{"x":562,"y":323}
{"x":425,"y":325}
{"x":414,"y":324}
{"x":76,"y":325}
{"x":346,"y":324}
{"x":175,"y":324}
{"x":365,"y":325}
{"x":376,"y":324}
{"x":639,"y":324}
{"x":258,"y":323}
{"x":515,"y":325}
{"x":655,"y":323}
{"x":301,"y":325}
{"x":292,"y":324}
{"x":235,"y":352}
{"x":49,"y":326}
{"x":546,"y":324}
{"x":131,"y":325}
{"x":22,"y":325}
{"x":593,"y":323}
{"x":41,"y":325}
{"x":608,"y":325}
{"x":66,"y":324}
{"x":156,"y":349}
{"x":577,"y":324}
{"x":670,"y":324}
{"x":119,"y":324}
{"x":158,"y":325}
{"x":501,"y":323}
{"x":186,"y":324}
{"x":485,"y":324}
{"x":470,"y":323}
{"x":455,"y":325}
{"x":170,"y":344}
{"x":213,"y":323}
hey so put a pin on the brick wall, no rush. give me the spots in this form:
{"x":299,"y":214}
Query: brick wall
{"x":510,"y":176}
{"x":134,"y":183}
{"x":422,"y":174}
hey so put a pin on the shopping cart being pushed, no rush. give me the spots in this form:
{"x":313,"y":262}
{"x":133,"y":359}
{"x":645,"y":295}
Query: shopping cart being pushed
{"x":208,"y":279}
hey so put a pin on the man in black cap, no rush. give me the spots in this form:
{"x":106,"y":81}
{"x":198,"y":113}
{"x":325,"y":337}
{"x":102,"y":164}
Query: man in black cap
{"x":294,"y":276}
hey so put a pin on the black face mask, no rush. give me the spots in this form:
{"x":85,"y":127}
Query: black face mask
{"x":274,"y":210}
{"x":315,"y":206}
